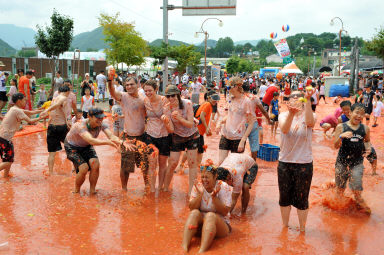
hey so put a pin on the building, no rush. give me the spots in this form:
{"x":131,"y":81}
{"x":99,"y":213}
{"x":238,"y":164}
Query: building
{"x":330,"y":57}
{"x":274,"y":58}
{"x":43,"y":66}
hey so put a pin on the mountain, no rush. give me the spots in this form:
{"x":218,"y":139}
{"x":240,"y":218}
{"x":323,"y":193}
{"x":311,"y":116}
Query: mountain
{"x":6,"y":50}
{"x":210,"y":43}
{"x":16,"y":36}
{"x":158,"y":42}
{"x":253,"y":42}
{"x":89,"y":40}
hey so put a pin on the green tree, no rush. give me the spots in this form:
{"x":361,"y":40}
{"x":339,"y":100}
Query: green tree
{"x":125,"y":43}
{"x":55,"y":39}
{"x":26,"y":53}
{"x":224,"y":47}
{"x":377,"y":43}
{"x":185,"y":55}
{"x":232,"y":65}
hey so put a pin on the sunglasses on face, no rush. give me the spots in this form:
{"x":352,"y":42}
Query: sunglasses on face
{"x":168,"y":96}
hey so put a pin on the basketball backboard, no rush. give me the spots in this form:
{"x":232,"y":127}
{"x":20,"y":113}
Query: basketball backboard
{"x":209,"y":7}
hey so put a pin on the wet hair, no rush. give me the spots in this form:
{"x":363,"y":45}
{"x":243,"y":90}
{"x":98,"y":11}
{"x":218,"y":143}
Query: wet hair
{"x":17,"y":96}
{"x":151,"y":83}
{"x":118,"y":81}
{"x":68,"y":81}
{"x":275,"y":94}
{"x":64,"y":88}
{"x":246,"y":87}
{"x":79,"y":110}
{"x":357,"y":106}
{"x":235,"y":80}
{"x":131,"y":78}
{"x":181,"y":106}
{"x":49,"y":98}
{"x":222,"y":173}
{"x":29,"y":73}
{"x":142,"y":81}
{"x":378,"y":97}
{"x":209,"y":168}
{"x":345,"y":103}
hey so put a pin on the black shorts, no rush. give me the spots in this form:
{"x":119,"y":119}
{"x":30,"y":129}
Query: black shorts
{"x":181,"y":143}
{"x":3,"y":96}
{"x":7,"y":151}
{"x":55,"y":136}
{"x":285,"y":98}
{"x":251,"y":177}
{"x":111,"y":102}
{"x":130,"y":158}
{"x":276,"y":118}
{"x":85,"y":115}
{"x":229,"y":145}
{"x":368,"y":110}
{"x":163,"y":144}
{"x":200,"y":145}
{"x":372,"y":156}
{"x":294,"y":184}
{"x":79,"y":155}
{"x":313,"y":107}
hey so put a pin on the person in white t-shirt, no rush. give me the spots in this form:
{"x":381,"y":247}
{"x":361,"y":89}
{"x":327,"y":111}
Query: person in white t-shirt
{"x":295,"y":168}
{"x":197,"y":87}
{"x":87,"y":102}
{"x":378,"y":108}
{"x":322,"y":92}
{"x":210,"y":202}
{"x":78,"y":117}
{"x":263,"y":88}
{"x":101,"y":83}
{"x":315,"y":97}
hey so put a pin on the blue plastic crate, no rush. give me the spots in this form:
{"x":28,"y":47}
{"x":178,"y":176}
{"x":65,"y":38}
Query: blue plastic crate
{"x":268,"y":152}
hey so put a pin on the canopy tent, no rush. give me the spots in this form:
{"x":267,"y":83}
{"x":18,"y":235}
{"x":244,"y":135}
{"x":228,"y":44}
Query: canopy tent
{"x":146,"y":67}
{"x":291,"y":68}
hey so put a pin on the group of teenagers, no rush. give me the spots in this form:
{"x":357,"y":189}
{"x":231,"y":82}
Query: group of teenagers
{"x":157,"y":129}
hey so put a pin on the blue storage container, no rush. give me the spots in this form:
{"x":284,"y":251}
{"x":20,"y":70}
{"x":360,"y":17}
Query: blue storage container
{"x":339,"y":89}
{"x":268,"y":152}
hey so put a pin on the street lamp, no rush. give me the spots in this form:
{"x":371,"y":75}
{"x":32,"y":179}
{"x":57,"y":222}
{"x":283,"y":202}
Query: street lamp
{"x":202,"y":31}
{"x":341,"y":30}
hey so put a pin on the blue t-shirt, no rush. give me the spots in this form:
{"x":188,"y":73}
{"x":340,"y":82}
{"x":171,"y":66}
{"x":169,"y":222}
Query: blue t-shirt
{"x":275,"y":107}
{"x":344,"y":118}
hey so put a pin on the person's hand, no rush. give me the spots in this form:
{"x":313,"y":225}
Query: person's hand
{"x":164,"y":118}
{"x":176,"y":115}
{"x":129,"y":145}
{"x":347,"y":134}
{"x":208,"y":132}
{"x":241,"y":146}
{"x":199,"y":188}
{"x":115,"y":117}
{"x":216,"y":189}
{"x":309,"y":92}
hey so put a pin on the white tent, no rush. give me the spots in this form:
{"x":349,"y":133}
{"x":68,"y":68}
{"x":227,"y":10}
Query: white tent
{"x":291,"y":68}
{"x":146,"y":67}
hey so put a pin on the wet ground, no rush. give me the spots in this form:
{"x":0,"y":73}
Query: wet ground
{"x":40,"y":215}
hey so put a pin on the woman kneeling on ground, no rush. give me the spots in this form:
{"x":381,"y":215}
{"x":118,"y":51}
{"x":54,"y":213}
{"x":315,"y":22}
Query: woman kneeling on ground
{"x":209,"y":203}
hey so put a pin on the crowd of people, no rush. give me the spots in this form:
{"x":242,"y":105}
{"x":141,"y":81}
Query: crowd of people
{"x":155,"y":132}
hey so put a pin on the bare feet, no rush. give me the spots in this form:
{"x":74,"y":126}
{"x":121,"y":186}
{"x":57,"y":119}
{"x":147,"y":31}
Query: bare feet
{"x":363,"y":207}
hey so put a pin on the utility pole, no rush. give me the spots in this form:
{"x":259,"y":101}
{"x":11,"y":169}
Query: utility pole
{"x":353,"y":69}
{"x":165,"y":38}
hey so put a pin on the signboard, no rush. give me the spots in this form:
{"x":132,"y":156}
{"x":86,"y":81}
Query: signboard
{"x":282,"y":48}
{"x":209,"y":7}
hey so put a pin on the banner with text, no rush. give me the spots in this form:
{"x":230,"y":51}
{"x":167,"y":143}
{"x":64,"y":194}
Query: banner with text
{"x":282,"y":48}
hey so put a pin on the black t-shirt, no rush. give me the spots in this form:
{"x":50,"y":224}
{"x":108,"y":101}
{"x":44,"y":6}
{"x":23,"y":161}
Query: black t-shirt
{"x":352,"y":149}
{"x":368,"y":98}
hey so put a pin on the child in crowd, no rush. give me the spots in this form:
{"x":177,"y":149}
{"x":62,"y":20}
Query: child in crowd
{"x":330,"y":121}
{"x":274,"y":112}
{"x":337,"y":99}
{"x":346,"y":111}
{"x":42,"y":95}
{"x":118,"y":119}
{"x":45,"y":106}
{"x":377,"y":108}
{"x":87,"y":102}
{"x":185,"y":92}
{"x":78,"y":117}
{"x":358,"y":97}
{"x":12,"y":91}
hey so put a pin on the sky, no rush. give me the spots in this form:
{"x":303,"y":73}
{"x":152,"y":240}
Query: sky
{"x":255,"y":19}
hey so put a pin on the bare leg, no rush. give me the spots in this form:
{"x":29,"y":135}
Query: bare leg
{"x":51,"y":161}
{"x":2,"y":104}
{"x":213,"y":226}
{"x":302,"y":215}
{"x":93,"y":175}
{"x":152,"y":167}
{"x":285,"y":212}
{"x":245,"y":197}
{"x":195,"y":219}
{"x":261,"y":135}
{"x":254,"y":155}
{"x":6,"y":166}
{"x":222,"y":155}
{"x":360,"y":201}
{"x":80,"y":177}
{"x":192,"y":163}
{"x":124,"y":177}
{"x":374,"y":167}
{"x":180,"y":169}
{"x":163,"y":165}
{"x":172,"y":164}
{"x":199,"y":158}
